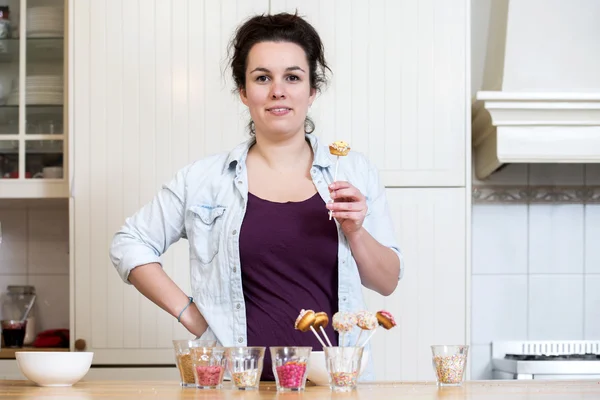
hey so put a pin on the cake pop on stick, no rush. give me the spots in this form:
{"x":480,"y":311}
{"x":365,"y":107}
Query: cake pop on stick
{"x":366,"y":321}
{"x":338,"y":148}
{"x":343,"y":322}
{"x":385,"y":319}
{"x":305,"y":321}
{"x":321,"y":322}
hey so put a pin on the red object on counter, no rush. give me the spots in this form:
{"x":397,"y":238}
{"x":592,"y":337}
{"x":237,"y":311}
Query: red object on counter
{"x":15,"y":175}
{"x":52,"y":338}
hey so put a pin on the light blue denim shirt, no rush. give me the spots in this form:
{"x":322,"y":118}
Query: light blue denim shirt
{"x":206,"y":203}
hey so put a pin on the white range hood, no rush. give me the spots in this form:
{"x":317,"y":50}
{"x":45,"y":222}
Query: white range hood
{"x":543,"y":79}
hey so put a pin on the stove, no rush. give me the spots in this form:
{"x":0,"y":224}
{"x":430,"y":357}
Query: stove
{"x":546,"y":359}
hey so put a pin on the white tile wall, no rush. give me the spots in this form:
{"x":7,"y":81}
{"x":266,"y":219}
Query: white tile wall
{"x":499,"y":306}
{"x":555,"y":307}
{"x":509,"y":232}
{"x":13,"y":250}
{"x":556,"y":238}
{"x":592,"y":235}
{"x":536,"y":267}
{"x":592,"y":302}
{"x":34,"y":251}
{"x":480,"y":357}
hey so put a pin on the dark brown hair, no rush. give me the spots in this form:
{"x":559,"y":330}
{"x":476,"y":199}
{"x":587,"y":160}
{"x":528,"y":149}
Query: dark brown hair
{"x":283,"y":27}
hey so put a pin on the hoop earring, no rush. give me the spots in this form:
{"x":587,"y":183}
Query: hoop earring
{"x":309,"y":126}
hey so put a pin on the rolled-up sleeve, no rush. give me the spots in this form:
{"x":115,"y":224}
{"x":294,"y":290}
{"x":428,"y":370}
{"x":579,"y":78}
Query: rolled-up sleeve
{"x":147,"y":234}
{"x":378,"y":221}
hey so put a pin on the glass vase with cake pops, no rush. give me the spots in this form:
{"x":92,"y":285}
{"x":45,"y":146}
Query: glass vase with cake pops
{"x":343,"y":363}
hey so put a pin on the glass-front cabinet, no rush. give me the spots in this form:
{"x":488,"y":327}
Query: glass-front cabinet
{"x":33,"y":138}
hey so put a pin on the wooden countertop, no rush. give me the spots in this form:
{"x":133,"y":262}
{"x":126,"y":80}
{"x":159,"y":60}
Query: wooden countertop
{"x":485,"y":390}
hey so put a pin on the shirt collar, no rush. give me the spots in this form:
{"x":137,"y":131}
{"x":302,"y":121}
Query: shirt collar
{"x":322,"y":158}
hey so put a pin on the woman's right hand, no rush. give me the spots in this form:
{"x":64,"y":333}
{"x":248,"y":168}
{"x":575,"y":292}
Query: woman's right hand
{"x":193,"y":321}
{"x":154,"y":283}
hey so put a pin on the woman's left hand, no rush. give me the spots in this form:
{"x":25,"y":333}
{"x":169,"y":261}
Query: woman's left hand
{"x":349,"y":206}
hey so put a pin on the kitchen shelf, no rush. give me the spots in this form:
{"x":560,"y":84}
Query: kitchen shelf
{"x":33,"y":113}
{"x":44,"y":146}
{"x":38,"y":49}
{"x":37,"y":108}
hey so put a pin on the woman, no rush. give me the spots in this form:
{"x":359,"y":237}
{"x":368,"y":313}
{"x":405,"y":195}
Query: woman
{"x":262,"y":245}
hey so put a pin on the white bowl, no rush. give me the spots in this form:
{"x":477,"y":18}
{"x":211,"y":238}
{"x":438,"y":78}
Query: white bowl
{"x":54,"y":368}
{"x":317,"y":370}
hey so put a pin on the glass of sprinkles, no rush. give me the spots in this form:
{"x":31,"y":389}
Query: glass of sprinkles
{"x":245,"y":366}
{"x":289,"y":367}
{"x":449,"y":362}
{"x":184,"y":358}
{"x":208,"y":366}
{"x":343,"y":366}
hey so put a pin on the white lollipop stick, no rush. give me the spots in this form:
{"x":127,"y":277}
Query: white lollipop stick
{"x":358,"y":338}
{"x":369,"y":337}
{"x":326,"y":337}
{"x":317,"y":335}
{"x":337,"y":161}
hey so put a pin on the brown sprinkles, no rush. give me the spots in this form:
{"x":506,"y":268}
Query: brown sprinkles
{"x":186,"y":369}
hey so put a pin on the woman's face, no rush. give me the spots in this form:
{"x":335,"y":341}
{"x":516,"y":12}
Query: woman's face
{"x":277,"y":92}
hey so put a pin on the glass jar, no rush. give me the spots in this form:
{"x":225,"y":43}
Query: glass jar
{"x":5,"y":28}
{"x":14,"y":303}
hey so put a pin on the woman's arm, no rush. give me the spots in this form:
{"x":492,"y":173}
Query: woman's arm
{"x":136,"y":249}
{"x":379,"y":266}
{"x":366,"y":222}
{"x":152,"y":281}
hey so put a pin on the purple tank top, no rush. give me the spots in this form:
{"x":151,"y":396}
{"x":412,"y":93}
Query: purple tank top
{"x":288,"y":255}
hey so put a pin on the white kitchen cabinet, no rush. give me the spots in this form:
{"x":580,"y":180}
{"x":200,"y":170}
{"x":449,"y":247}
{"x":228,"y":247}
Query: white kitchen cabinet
{"x":399,"y":89}
{"x":149,"y":96}
{"x":147,"y":99}
{"x":430,"y":301}
{"x":33,"y":136}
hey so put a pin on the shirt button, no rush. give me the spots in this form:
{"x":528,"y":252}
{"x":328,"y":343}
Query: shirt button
{"x":314,"y":170}
{"x":234,"y":269}
{"x":318,"y":181}
{"x":238,"y":306}
{"x":240,"y":182}
{"x":240,"y":340}
{"x":343,"y":261}
{"x":344,"y":298}
{"x":234,"y":232}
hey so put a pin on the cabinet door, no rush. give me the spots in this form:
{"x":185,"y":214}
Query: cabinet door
{"x":33,"y":143}
{"x":399,"y":89}
{"x":429,"y":303}
{"x":147,"y":96}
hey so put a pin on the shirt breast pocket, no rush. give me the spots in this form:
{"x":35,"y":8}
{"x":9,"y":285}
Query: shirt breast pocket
{"x":206,"y":227}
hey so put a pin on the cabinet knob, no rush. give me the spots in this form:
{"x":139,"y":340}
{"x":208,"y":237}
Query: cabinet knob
{"x":80,"y":344}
